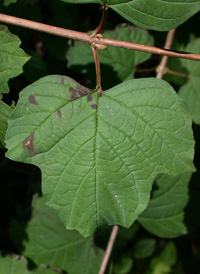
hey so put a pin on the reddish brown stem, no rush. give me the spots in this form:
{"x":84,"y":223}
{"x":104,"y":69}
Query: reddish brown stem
{"x":109,"y":249}
{"x":103,"y":20}
{"x":97,"y":67}
{"x":87,"y":38}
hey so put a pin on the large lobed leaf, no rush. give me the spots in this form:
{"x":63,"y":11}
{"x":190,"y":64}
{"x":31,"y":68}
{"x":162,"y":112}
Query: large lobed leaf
{"x":51,"y":244}
{"x":151,"y":14}
{"x":190,"y":92}
{"x":99,"y":155}
{"x":12,"y":58}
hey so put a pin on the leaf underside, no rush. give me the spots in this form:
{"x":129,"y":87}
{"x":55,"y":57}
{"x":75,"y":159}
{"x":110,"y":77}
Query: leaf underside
{"x":151,"y":14}
{"x":99,"y":154}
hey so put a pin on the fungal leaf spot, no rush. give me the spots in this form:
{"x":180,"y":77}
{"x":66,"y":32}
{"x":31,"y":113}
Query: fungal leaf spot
{"x":28,"y":144}
{"x":59,"y":113}
{"x":89,"y":98}
{"x":94,"y":106}
{"x":32,"y":100}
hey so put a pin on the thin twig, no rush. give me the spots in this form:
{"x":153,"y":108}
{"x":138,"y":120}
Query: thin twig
{"x":87,"y":38}
{"x":163,"y":63}
{"x":167,"y":70}
{"x":109,"y":249}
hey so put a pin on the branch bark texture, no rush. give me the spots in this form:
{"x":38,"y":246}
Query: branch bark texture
{"x":87,"y":38}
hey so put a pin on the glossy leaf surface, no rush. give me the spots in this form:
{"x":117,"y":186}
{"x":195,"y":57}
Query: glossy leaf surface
{"x":99,"y":155}
{"x":12,"y":58}
{"x":151,"y":14}
{"x":51,"y":244}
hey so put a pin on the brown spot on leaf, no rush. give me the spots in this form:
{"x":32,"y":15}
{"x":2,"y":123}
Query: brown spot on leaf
{"x":81,"y":92}
{"x":94,"y":106}
{"x":32,"y":100}
{"x":89,"y":98}
{"x":76,"y":93}
{"x":73,"y":94}
{"x":59,"y":113}
{"x":100,"y":94}
{"x":62,"y":80}
{"x":28,"y":144}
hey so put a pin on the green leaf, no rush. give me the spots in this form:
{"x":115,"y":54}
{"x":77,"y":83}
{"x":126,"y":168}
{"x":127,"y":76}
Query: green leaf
{"x":190,"y":92}
{"x":144,"y":248}
{"x":12,"y":58}
{"x":8,"y":2}
{"x":18,"y":265}
{"x":5,"y":112}
{"x":121,"y":61}
{"x":165,"y":216}
{"x":167,"y":255}
{"x":161,"y":268}
{"x":51,"y":244}
{"x":151,"y":14}
{"x":99,"y":155}
{"x":13,"y":265}
{"x":45,"y":270}
{"x":123,"y":265}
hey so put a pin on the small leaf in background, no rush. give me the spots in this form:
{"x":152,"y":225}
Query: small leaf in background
{"x":123,"y":265}
{"x":144,"y":248}
{"x":117,"y":64}
{"x":165,"y":215}
{"x":99,"y":155}
{"x":8,"y":2}
{"x":190,"y":92}
{"x":5,"y":112}
{"x":151,"y":14}
{"x":12,"y":58}
{"x":51,"y":244}
{"x":167,"y":255}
